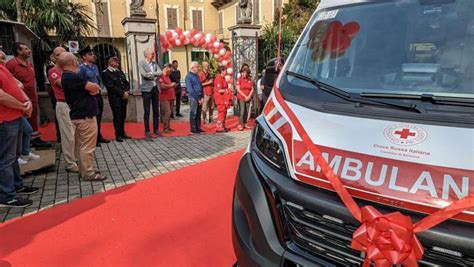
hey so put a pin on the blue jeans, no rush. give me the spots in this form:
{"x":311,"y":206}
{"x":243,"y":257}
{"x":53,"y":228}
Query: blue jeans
{"x":10,"y":149}
{"x":195,"y":114}
{"x":27,"y":131}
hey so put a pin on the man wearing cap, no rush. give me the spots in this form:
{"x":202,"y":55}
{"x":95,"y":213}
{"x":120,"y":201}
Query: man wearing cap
{"x":66,"y":127}
{"x":90,"y":72}
{"x":118,"y":90}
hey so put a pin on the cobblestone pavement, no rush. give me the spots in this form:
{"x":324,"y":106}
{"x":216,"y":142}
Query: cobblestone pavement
{"x":125,"y":163}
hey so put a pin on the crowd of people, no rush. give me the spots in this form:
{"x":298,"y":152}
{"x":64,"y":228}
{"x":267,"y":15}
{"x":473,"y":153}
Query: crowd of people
{"x":78,"y":104}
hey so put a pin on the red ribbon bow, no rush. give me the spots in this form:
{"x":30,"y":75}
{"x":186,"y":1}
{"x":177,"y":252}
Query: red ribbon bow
{"x":387,"y":239}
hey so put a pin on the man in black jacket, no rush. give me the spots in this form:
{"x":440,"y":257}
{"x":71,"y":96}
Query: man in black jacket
{"x":118,"y":90}
{"x":176,"y":78}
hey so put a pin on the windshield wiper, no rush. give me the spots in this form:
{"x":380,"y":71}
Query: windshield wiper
{"x":434,"y":99}
{"x":349,"y":97}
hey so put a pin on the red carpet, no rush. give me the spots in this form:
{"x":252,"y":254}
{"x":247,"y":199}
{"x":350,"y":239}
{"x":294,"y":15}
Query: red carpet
{"x":177,"y":219}
{"x":137,"y":130}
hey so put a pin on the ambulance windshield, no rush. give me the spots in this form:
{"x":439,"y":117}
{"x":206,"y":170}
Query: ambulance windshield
{"x":402,"y":47}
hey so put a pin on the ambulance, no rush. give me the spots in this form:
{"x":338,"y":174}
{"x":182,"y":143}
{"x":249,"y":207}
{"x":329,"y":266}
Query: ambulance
{"x":380,"y":96}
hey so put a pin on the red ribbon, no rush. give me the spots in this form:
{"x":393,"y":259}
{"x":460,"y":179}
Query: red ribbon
{"x":386,"y":239}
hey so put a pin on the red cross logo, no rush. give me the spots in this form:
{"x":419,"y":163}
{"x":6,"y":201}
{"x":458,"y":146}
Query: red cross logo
{"x":405,"y":133}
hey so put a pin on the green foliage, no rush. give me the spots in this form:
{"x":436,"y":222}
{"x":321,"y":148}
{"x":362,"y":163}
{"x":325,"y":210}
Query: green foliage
{"x":67,"y":20}
{"x":213,"y":64}
{"x":295,"y":16}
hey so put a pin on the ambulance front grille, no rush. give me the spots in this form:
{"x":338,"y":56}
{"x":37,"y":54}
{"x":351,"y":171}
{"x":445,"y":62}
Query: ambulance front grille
{"x":330,"y":238}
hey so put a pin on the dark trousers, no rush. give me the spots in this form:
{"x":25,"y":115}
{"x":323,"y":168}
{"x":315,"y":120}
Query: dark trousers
{"x":195,"y":115}
{"x":151,"y":98}
{"x":100,"y":103}
{"x":119,"y":113}
{"x":178,"y":100}
{"x":53,"y":103}
{"x":10,"y":148}
{"x":244,"y":111}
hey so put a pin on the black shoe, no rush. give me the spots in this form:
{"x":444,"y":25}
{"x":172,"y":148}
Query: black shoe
{"x":125,"y":136}
{"x":179,"y":115}
{"x":103,"y":140}
{"x":40,"y":145}
{"x":26,"y":190}
{"x":17,"y":202}
{"x":201,"y":131}
{"x":97,"y":145}
{"x":195,"y":132}
{"x":119,"y":139}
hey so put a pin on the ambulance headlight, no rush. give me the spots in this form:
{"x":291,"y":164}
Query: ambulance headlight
{"x":268,"y":146}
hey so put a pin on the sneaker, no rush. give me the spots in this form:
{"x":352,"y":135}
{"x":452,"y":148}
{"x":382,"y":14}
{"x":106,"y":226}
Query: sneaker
{"x":30,"y":156}
{"x":40,"y":145}
{"x":240,"y":128}
{"x":73,"y":169}
{"x":22,"y":162}
{"x":96,"y":177}
{"x":17,"y":202}
{"x":26,"y":190}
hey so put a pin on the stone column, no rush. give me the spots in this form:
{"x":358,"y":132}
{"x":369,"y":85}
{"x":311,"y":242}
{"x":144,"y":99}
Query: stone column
{"x":140,"y":34}
{"x":245,"y":50}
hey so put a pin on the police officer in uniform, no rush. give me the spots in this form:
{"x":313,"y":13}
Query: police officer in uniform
{"x":118,"y":89}
{"x":90,"y":72}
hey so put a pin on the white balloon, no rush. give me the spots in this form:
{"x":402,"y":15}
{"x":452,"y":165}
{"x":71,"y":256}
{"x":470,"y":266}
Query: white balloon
{"x":186,"y":33}
{"x":224,"y":62}
{"x":216,"y":44}
{"x":198,"y":36}
{"x":178,"y":42}
{"x":187,"y":41}
{"x":230,"y":71}
{"x":175,"y":35}
{"x":217,"y":55}
{"x":222,"y":51}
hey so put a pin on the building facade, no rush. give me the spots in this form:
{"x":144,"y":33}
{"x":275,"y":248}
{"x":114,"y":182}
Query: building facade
{"x":210,"y":16}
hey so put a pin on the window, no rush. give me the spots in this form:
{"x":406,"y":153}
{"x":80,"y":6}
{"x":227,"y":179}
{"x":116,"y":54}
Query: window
{"x":221,"y":22}
{"x":165,"y":57}
{"x":172,"y":18}
{"x":199,"y":56}
{"x":197,"y":19}
{"x":102,"y":18}
{"x":256,"y":11}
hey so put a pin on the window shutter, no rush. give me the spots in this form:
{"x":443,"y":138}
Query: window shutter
{"x":221,"y":22}
{"x":102,"y":18}
{"x":197,"y":19}
{"x":172,"y":17}
{"x":256,"y":11}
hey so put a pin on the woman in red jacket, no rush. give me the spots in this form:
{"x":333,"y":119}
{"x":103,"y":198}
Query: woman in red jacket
{"x":221,"y":98}
{"x":244,"y":88}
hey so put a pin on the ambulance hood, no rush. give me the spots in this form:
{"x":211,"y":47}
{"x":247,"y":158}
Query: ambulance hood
{"x":412,"y":166}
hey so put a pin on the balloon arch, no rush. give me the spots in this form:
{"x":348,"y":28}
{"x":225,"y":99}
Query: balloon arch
{"x":177,"y":37}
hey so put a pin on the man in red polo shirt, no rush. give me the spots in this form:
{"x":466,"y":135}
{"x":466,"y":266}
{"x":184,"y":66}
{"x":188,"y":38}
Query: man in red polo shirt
{"x":22,"y":69}
{"x":62,"y":113}
{"x":13,"y":105}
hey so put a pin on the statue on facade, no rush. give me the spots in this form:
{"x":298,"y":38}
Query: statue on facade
{"x":245,"y":16}
{"x":136,"y":8}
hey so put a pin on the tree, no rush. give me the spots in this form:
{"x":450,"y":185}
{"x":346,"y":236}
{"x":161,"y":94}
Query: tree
{"x":66,"y":20}
{"x":296,"y":14}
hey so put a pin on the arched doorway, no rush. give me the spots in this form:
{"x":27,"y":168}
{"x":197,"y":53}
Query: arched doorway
{"x":102,"y":51}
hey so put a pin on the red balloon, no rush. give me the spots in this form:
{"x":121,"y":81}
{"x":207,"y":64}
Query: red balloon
{"x":202,"y":41}
{"x":215,"y":51}
{"x":169,"y":34}
{"x":210,"y":46}
{"x":221,"y":45}
{"x":227,"y":55}
{"x":179,"y":30}
{"x":213,"y":39}
{"x":182,"y":38}
{"x":192,"y":40}
{"x":193,"y":32}
{"x":351,"y":29}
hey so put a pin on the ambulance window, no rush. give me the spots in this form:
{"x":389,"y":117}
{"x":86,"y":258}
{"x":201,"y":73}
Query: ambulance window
{"x":405,"y":46}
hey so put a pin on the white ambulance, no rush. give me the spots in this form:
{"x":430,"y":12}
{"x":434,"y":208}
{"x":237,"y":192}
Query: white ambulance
{"x":385,"y":91}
